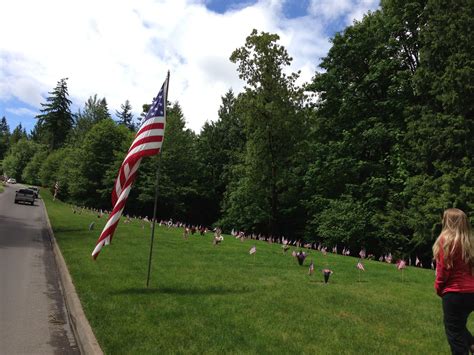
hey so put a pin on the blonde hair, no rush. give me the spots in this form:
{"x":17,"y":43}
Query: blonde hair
{"x":456,"y":233}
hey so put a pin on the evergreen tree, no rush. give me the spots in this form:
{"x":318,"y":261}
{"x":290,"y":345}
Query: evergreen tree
{"x":55,"y":121}
{"x":178,"y":173}
{"x":4,"y":137}
{"x":95,"y":110}
{"x":125,"y":116}
{"x":18,"y":133}
{"x":219,"y":147}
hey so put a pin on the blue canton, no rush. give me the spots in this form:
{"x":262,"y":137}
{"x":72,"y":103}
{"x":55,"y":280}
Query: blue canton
{"x":157,"y":108}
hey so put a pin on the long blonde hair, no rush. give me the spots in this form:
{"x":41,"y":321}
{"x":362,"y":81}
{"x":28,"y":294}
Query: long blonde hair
{"x":456,"y":233}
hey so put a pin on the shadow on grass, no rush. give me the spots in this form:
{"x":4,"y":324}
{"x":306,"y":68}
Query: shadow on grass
{"x":183,"y":291}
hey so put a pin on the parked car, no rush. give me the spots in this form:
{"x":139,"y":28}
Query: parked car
{"x":25,"y":195}
{"x":11,"y":181}
{"x":35,"y":190}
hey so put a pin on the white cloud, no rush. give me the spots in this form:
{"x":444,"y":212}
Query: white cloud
{"x":348,"y":10}
{"x":123,"y":49}
{"x":22,"y":111}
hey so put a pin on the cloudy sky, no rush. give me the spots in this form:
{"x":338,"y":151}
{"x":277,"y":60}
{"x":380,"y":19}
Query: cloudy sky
{"x":123,"y":49}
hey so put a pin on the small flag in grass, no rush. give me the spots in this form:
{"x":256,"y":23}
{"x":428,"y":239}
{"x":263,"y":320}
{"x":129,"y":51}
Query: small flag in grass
{"x":253,"y":250}
{"x":401,"y":264}
{"x":326,"y":273}
{"x":418,"y":262}
{"x":360,"y":266}
{"x":311,"y":268}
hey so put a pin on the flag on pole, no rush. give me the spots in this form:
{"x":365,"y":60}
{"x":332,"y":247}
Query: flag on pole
{"x":56,"y":189}
{"x":253,"y":250}
{"x":360,"y":266}
{"x":147,"y":142}
{"x":311,"y":268}
{"x":401,"y":264}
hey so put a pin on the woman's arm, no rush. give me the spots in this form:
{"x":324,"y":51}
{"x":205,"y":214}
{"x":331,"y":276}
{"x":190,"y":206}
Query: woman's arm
{"x":442,"y":273}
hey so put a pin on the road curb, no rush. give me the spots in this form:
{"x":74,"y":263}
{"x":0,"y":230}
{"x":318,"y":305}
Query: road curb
{"x":85,"y":337}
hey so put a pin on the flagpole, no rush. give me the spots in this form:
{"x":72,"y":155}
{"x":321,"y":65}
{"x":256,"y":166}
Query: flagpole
{"x":156,"y":192}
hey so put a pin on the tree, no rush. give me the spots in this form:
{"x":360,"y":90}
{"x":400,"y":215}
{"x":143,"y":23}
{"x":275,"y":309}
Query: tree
{"x":31,"y":172}
{"x":96,"y":160}
{"x":219,"y":147}
{"x":358,"y":151}
{"x":270,"y":109}
{"x":18,"y":133}
{"x":441,"y":125}
{"x":18,"y":157}
{"x":95,"y":110}
{"x":4,"y":137}
{"x":178,"y":173}
{"x":55,"y":121}
{"x":125,"y":116}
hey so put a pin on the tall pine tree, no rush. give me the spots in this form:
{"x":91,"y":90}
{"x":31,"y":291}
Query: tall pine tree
{"x":56,"y":120}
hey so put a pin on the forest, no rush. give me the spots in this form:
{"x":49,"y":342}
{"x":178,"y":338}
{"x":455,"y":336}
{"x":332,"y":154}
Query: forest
{"x":367,"y":154}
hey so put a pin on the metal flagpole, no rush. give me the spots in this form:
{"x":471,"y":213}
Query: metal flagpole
{"x":156,"y":191}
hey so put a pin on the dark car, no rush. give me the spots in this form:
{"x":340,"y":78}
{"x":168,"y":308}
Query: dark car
{"x":25,"y":195}
{"x":35,"y":189}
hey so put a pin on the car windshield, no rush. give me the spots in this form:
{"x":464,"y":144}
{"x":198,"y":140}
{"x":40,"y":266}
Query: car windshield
{"x":26,"y":191}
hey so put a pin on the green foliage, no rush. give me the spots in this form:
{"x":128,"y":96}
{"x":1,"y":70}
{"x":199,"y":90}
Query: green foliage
{"x":95,"y":110}
{"x":55,"y":121}
{"x":4,"y":137}
{"x":18,"y":133}
{"x":18,"y":158}
{"x":96,"y":156}
{"x":31,"y":172}
{"x":219,"y":149}
{"x":269,"y":108}
{"x":48,"y":172}
{"x":125,"y":116}
{"x":177,"y":182}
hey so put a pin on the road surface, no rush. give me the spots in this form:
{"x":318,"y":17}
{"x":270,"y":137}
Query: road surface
{"x":33,"y":318}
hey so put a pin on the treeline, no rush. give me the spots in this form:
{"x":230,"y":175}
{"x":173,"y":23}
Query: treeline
{"x":368,"y":153}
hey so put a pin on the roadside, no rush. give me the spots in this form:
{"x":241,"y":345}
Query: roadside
{"x":33,"y":316}
{"x":85,"y":337}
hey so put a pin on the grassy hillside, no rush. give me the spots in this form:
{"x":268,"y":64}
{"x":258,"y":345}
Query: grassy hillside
{"x":220,"y":299}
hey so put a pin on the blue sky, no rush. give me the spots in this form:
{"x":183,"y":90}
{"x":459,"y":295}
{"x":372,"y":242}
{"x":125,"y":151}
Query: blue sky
{"x":122,"y":50}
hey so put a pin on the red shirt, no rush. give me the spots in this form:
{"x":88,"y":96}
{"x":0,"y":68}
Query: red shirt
{"x":458,"y":278}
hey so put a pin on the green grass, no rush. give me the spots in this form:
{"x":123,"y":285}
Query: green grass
{"x":206,"y":299}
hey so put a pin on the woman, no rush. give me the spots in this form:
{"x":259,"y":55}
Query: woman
{"x":454,"y":254}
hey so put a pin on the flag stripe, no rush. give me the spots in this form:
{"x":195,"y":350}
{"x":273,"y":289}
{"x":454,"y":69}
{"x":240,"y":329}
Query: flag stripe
{"x":148,"y":141}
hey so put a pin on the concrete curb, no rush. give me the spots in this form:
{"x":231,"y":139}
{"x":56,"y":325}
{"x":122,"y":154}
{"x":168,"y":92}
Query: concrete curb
{"x":85,"y":338}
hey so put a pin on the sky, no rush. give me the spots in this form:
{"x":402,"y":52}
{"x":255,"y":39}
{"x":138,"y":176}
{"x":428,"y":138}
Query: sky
{"x":122,"y":49}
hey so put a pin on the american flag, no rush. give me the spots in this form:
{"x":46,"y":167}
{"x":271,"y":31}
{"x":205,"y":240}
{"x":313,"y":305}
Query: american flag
{"x":311,"y":268}
{"x":253,"y":250}
{"x":401,"y":265}
{"x":147,"y":142}
{"x":56,"y":189}
{"x":360,"y":266}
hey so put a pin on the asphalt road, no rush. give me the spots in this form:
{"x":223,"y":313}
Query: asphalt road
{"x":33,"y":318}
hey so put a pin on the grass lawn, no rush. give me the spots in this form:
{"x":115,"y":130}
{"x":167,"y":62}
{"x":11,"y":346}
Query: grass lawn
{"x":219,"y":299}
